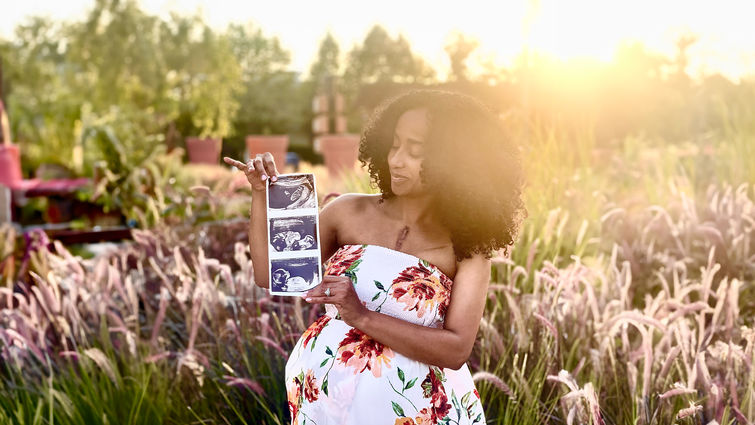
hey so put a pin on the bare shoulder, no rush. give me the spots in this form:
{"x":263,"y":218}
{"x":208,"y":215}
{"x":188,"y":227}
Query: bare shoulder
{"x":338,"y":219}
{"x":350,"y":203}
{"x":335,"y":220}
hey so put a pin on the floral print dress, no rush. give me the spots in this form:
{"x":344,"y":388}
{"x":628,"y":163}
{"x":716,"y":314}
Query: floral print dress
{"x":338,"y":375}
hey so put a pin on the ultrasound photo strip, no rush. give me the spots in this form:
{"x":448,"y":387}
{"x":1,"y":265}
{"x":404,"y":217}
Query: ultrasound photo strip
{"x":293,"y":237}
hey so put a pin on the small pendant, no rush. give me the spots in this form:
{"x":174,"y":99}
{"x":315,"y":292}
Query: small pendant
{"x":401,"y":237}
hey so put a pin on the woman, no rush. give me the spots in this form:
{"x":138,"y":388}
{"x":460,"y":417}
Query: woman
{"x":407,"y":270}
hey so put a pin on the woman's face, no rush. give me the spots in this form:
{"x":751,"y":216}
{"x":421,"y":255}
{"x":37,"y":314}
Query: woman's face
{"x":407,"y":152}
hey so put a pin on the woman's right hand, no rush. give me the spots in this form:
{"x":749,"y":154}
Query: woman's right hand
{"x":257,"y":170}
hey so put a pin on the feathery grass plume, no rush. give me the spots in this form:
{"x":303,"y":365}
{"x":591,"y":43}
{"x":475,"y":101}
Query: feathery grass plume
{"x":547,"y":323}
{"x":244,"y":383}
{"x":496,"y":381}
{"x":580,"y":403}
{"x":594,"y":406}
{"x":522,"y":336}
{"x":669,"y":360}
{"x":103,"y":362}
{"x":164,"y":300}
{"x":189,"y":360}
{"x":693,"y":409}
{"x":489,"y":332}
{"x":7,"y":251}
{"x":677,"y":389}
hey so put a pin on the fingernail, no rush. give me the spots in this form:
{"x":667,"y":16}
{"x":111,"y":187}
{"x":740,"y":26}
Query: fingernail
{"x":307,"y":299}
{"x":264,"y":177}
{"x":274,"y":178}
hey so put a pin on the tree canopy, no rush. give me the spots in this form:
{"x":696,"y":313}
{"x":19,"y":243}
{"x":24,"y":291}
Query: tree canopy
{"x":152,"y":80}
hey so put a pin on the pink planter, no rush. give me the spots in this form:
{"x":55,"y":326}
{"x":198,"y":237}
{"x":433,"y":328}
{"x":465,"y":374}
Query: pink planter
{"x":204,"y":151}
{"x":276,"y":145}
{"x":10,"y":165}
{"x":340,"y":152}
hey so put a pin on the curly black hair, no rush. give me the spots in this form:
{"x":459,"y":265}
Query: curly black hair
{"x":471,"y":166}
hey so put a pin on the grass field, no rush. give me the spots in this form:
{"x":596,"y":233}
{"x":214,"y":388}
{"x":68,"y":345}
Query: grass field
{"x":628,"y":299}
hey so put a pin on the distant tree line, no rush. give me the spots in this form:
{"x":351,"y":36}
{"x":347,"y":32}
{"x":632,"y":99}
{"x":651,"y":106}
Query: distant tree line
{"x":153,"y":80}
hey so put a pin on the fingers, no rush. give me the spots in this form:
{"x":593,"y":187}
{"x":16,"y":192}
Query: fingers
{"x":269,"y":162}
{"x":261,"y":166}
{"x":328,"y":281}
{"x":317,"y":296}
{"x":320,"y":300}
{"x":318,"y":291}
{"x":238,"y":164}
{"x":338,"y":285}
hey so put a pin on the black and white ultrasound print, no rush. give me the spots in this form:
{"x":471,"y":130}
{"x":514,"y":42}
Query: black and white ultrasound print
{"x":294,"y":275}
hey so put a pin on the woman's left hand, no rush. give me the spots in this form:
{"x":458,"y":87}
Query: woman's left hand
{"x":342,"y":295}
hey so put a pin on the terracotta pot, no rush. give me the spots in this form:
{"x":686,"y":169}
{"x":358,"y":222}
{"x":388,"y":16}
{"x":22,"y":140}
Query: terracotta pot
{"x":204,"y":151}
{"x":275,"y":144}
{"x":340,"y":151}
{"x":10,"y":165}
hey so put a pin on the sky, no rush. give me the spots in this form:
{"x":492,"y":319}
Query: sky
{"x":504,"y":28}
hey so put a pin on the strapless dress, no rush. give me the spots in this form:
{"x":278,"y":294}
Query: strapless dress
{"x":336,"y":374}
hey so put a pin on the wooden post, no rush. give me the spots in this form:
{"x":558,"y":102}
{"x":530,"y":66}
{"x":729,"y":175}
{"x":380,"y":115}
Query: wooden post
{"x":5,"y":201}
{"x":4,"y":123}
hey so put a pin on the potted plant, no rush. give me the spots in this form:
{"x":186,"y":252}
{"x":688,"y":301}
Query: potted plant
{"x":340,"y":151}
{"x":204,"y":150}
{"x":10,"y":160}
{"x":211,"y":117}
{"x":276,"y":144}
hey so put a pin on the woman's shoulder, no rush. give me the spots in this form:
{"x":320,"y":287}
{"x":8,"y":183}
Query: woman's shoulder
{"x":341,"y":216}
{"x":351,"y":202}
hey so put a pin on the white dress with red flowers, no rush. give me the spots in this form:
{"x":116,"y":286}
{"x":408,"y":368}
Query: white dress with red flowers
{"x":338,"y":375}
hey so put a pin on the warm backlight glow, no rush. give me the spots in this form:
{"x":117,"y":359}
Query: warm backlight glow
{"x":562,"y":29}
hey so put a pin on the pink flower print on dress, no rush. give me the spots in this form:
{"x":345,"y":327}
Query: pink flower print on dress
{"x":310,"y":387}
{"x":294,"y":395}
{"x":314,"y":329}
{"x":361,"y":352}
{"x":432,"y":388}
{"x":344,"y":259}
{"x":421,"y":290}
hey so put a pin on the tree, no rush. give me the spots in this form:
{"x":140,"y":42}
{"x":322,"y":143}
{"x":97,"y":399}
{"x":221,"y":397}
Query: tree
{"x":328,"y":62}
{"x":380,"y":59}
{"x":137,"y":73}
{"x":458,"y":51}
{"x":270,"y":98}
{"x":41,"y":105}
{"x":683,"y":43}
{"x":204,"y":77}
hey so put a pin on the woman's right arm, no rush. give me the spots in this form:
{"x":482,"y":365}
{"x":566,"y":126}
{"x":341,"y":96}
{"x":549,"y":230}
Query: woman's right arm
{"x":257,"y":172}
{"x":257,"y":233}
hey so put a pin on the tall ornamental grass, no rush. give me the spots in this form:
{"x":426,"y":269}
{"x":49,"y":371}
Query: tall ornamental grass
{"x":629,"y":298}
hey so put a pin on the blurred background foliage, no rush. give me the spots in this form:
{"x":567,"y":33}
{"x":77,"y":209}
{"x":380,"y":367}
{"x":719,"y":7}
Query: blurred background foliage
{"x":159,"y":80}
{"x":641,"y":210}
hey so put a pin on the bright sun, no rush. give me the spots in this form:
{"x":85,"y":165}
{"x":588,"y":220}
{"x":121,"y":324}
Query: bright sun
{"x":572,"y":30}
{"x":594,"y":30}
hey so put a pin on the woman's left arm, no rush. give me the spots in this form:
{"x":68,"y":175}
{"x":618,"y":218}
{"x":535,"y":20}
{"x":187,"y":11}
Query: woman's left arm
{"x":447,"y":347}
